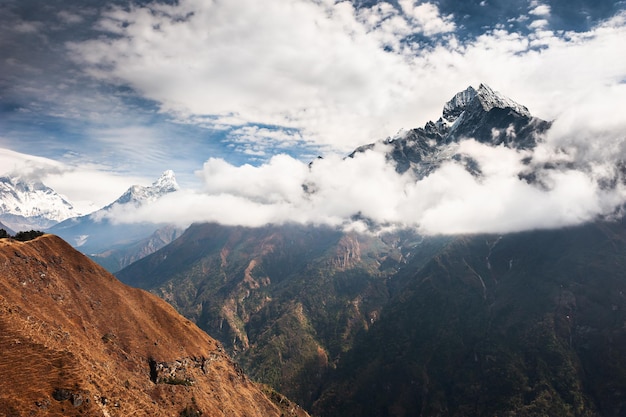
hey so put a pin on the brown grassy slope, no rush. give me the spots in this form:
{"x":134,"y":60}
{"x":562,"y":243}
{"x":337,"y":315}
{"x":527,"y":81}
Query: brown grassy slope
{"x":75,"y":341}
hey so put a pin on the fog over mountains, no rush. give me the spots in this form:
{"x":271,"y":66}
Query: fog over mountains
{"x":486,"y":165}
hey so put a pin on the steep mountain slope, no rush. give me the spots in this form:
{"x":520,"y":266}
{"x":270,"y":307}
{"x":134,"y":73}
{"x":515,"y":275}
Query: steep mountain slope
{"x":484,"y":115}
{"x":525,"y":324}
{"x":521,"y":324}
{"x":287,"y":301}
{"x":116,"y":245}
{"x":7,"y":229}
{"x":26,"y":205}
{"x":75,"y":341}
{"x":121,"y":256}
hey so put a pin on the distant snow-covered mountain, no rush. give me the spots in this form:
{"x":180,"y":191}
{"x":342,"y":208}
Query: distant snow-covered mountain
{"x":95,"y":235}
{"x":139,"y":195}
{"x":28,"y":204}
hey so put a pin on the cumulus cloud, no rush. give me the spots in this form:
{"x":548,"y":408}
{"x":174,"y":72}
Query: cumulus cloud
{"x":366,"y":193}
{"x":340,"y":76}
{"x":283,"y":72}
{"x":542,"y":10}
{"x":88,"y":187}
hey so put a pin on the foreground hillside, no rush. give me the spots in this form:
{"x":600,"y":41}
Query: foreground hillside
{"x":76,"y":341}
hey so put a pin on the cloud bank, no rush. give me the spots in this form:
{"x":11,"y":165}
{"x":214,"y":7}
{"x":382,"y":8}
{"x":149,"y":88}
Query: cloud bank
{"x":292,"y":72}
{"x":365,"y":193}
{"x":88,"y":187}
{"x":338,"y":75}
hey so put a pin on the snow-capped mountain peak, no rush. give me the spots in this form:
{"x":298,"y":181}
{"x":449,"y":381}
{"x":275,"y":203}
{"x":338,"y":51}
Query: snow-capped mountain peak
{"x":31,"y":204}
{"x":482,"y":114}
{"x":484,"y":98}
{"x":457,"y":104}
{"x":138,"y":194}
{"x":490,"y":99}
{"x":166,"y":182}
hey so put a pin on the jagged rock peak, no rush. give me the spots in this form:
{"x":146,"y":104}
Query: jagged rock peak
{"x":485,"y":97}
{"x":166,"y":182}
{"x":490,"y":99}
{"x":139,"y":194}
{"x":453,"y":108}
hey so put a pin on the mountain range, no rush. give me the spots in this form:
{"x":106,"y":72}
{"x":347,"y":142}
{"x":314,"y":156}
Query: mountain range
{"x":26,"y":204}
{"x":398,"y":324}
{"x":117,"y":245}
{"x":390,"y":322}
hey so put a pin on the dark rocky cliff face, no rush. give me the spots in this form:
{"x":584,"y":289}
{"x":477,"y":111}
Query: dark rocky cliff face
{"x":523,"y":324}
{"x":286,"y":301}
{"x":483,"y":115}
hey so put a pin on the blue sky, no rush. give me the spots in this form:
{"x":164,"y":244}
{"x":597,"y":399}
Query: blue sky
{"x":114,"y":93}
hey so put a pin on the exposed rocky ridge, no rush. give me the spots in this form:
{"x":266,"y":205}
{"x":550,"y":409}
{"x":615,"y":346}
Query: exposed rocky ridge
{"x":75,"y":341}
{"x":484,"y":115}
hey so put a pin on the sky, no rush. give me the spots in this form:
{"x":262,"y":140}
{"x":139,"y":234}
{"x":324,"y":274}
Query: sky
{"x":238,"y":96}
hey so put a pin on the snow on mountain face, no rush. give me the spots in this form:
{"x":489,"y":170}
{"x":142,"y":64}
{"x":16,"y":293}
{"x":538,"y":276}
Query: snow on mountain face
{"x":138,"y":194}
{"x":30,"y":204}
{"x":453,"y":108}
{"x":481,"y":114}
{"x":490,"y":99}
{"x":485,"y":97}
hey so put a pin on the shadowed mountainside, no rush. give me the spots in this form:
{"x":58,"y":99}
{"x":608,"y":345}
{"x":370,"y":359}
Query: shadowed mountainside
{"x":76,"y":341}
{"x":526,"y":324}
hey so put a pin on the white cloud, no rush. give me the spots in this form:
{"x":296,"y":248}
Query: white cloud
{"x":342,"y":77}
{"x":427,"y":17}
{"x":319,"y":67}
{"x":87,"y":187}
{"x":542,"y":10}
{"x":344,"y":192}
{"x":538,"y":24}
{"x":69,"y":17}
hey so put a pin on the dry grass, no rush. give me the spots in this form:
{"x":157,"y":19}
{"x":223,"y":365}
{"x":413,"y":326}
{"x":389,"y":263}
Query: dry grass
{"x":66,"y":323}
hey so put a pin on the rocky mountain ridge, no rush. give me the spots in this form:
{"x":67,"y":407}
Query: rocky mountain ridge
{"x":483,"y":115}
